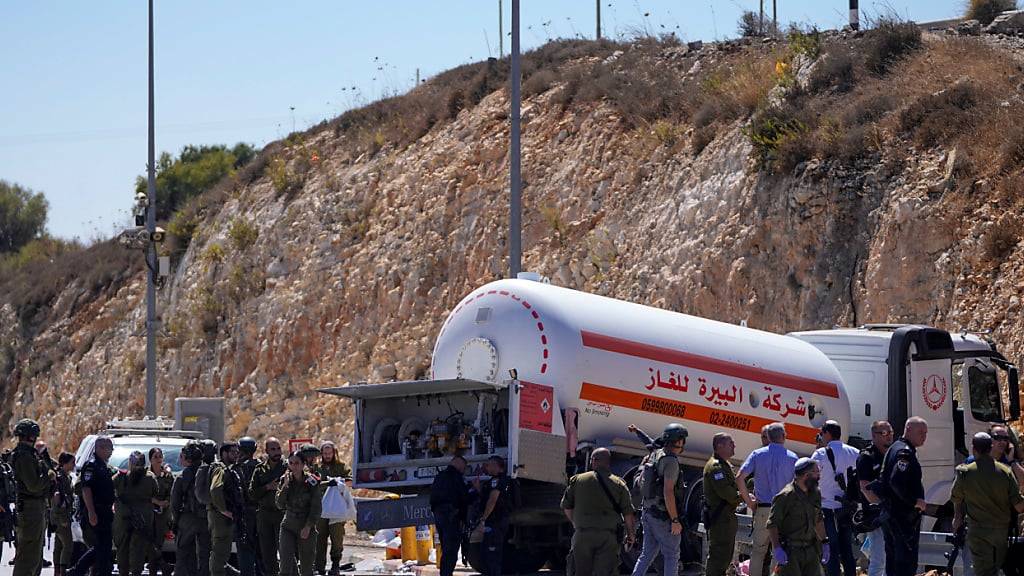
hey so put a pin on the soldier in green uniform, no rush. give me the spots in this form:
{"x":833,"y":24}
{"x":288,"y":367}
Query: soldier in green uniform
{"x":133,"y":518}
{"x":597,"y":503}
{"x":985,"y":492}
{"x":263,"y":490}
{"x":192,"y":537}
{"x":61,"y":506}
{"x":299,"y":497}
{"x":330,"y":467}
{"x":796,"y":526}
{"x":34,"y":480}
{"x":162,"y":508}
{"x":721,"y":497}
{"x":221,"y":512}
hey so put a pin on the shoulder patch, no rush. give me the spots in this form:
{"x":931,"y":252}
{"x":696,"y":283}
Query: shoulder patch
{"x":719,"y":476}
{"x":902,"y":465}
{"x":494,"y":482}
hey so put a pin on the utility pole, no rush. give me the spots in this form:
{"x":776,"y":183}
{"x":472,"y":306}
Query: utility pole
{"x":775,"y":17}
{"x":501,"y":32}
{"x":854,"y":15}
{"x":760,"y":22}
{"x":598,"y":4}
{"x":151,"y":260}
{"x":515,"y":204}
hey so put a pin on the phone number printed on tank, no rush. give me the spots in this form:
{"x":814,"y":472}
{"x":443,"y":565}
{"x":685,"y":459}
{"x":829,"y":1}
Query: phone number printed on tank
{"x":733,"y":421}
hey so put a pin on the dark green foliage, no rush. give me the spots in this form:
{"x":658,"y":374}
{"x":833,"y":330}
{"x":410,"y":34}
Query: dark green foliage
{"x":195,"y":170}
{"x":22,"y":216}
{"x":889,"y":42}
{"x":775,"y":133}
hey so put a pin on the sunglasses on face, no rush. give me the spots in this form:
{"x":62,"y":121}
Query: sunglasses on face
{"x":1001,"y":438}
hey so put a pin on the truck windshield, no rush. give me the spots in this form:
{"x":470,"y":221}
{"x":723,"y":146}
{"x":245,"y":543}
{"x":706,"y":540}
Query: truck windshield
{"x":985,"y":397}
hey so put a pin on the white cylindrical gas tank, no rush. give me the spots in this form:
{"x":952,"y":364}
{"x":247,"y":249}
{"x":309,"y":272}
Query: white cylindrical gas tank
{"x":620,"y":363}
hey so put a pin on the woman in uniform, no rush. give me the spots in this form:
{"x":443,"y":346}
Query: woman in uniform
{"x":135,"y":491}
{"x":161,"y":508}
{"x":299,"y":498}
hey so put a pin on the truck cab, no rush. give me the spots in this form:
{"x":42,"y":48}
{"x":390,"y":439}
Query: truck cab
{"x":958,"y":382}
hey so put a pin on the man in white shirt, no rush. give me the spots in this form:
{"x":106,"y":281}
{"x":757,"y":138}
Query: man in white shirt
{"x":835,"y":459}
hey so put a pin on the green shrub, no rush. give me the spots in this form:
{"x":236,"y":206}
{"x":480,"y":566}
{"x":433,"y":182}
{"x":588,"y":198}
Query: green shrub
{"x":214,"y":253}
{"x":195,"y":170}
{"x":280,"y":179}
{"x":889,"y":42}
{"x":666,"y":133}
{"x":985,"y":11}
{"x":243,"y":234}
{"x":782,"y":137}
{"x":805,"y":42}
{"x":22,"y":216}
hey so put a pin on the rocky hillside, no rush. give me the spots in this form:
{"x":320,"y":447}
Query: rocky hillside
{"x":833,"y":179}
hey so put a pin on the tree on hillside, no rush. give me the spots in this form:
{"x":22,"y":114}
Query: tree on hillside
{"x":194,"y":171}
{"x":750,"y":25}
{"x":22,"y":216}
{"x":985,"y":11}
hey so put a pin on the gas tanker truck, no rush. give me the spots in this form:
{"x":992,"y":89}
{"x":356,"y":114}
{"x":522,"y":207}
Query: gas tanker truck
{"x":542,"y":375}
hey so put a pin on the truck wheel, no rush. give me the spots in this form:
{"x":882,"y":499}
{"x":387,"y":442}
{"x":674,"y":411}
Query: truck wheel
{"x":513,"y":561}
{"x":690,"y":546}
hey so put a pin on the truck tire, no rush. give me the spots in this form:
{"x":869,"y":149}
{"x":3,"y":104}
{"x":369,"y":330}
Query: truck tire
{"x":513,"y":561}
{"x":691,"y":542}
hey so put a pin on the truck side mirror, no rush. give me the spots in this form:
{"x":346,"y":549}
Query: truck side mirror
{"x":1014,"y":392}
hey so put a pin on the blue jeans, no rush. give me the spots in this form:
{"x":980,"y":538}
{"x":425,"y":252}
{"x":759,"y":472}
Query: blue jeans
{"x":658,"y":537}
{"x":840,"y":538}
{"x":875,"y":551}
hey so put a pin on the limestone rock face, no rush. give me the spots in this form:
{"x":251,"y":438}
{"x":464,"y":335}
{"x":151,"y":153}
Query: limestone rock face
{"x":352,"y":272}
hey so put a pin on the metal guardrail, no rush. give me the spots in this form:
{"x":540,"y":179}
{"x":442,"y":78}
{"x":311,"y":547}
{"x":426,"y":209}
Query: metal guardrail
{"x":932,"y":551}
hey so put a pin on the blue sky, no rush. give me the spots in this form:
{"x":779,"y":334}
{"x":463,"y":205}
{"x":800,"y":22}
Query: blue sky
{"x":73,"y":102}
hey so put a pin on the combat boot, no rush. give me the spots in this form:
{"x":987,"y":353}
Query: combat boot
{"x":335,"y":568}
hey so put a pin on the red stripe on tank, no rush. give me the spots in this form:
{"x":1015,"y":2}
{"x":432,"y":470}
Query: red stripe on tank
{"x":708,"y":364}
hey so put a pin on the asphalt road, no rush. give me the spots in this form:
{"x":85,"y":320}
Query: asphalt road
{"x":354,"y":551}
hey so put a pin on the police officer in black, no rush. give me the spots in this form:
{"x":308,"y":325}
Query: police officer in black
{"x":869,"y":468}
{"x":245,"y":468}
{"x":902,"y":491}
{"x":98,"y":511}
{"x":496,"y":499}
{"x":449,"y":502}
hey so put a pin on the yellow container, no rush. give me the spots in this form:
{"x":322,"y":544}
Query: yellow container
{"x":437,"y":544}
{"x":423,"y":545}
{"x":408,"y":535}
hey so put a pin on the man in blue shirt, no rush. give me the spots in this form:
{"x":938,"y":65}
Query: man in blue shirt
{"x":772,"y":468}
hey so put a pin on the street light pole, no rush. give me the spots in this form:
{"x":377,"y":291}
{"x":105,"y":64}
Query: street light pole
{"x":515,"y":204}
{"x":151,"y":259}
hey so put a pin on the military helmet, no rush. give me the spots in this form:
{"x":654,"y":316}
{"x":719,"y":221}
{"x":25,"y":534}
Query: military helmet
{"x":192,"y":451}
{"x":209,"y":448}
{"x":26,"y":428}
{"x":308,"y":452}
{"x":674,"y":432}
{"x":247,"y":444}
